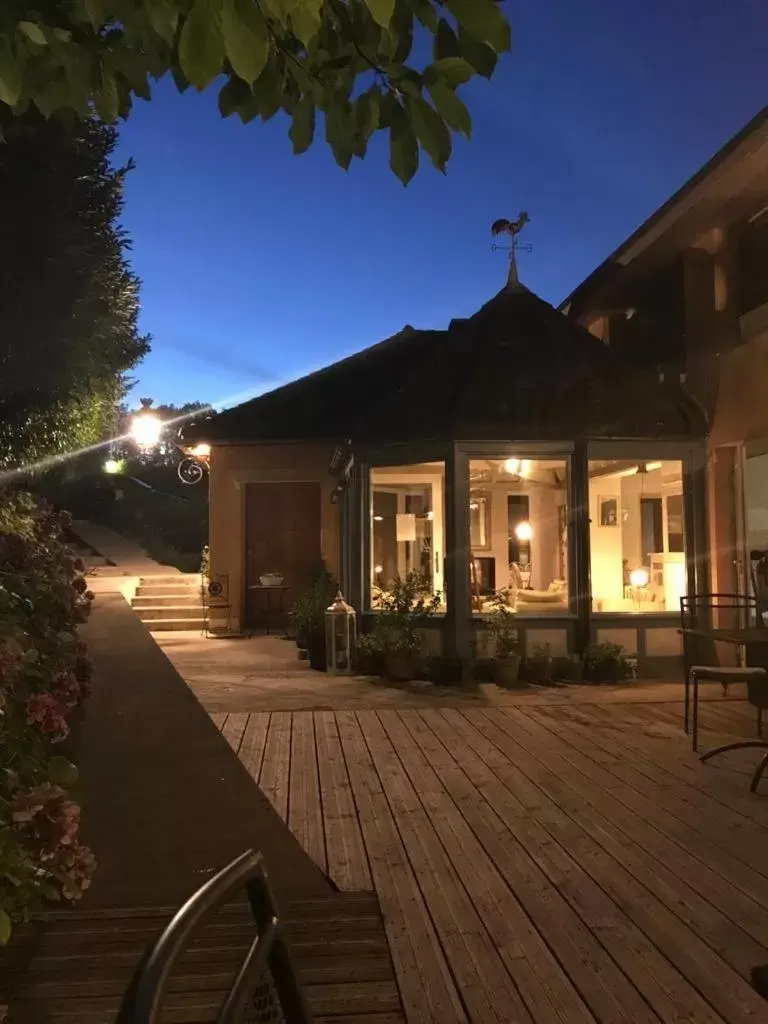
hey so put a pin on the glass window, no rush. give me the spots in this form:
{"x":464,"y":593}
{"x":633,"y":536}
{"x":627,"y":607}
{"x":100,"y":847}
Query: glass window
{"x":407,"y":526}
{"x":636,"y":533}
{"x":521,"y":548}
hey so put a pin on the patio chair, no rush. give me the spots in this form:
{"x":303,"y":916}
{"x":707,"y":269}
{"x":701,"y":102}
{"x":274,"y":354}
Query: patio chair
{"x":265,"y":989}
{"x":700,"y":613}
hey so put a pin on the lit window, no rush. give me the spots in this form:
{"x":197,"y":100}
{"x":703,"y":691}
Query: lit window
{"x":519,"y":534}
{"x":407,"y":522}
{"x":636,"y":535}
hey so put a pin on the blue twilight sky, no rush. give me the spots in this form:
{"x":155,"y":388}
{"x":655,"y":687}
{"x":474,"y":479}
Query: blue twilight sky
{"x":259,"y":266}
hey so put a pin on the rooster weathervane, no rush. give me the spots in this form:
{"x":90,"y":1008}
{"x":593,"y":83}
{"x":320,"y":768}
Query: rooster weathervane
{"x":512,"y":228}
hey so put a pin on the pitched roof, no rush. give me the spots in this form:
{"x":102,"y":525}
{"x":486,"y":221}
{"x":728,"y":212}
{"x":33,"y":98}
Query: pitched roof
{"x":517,"y":369}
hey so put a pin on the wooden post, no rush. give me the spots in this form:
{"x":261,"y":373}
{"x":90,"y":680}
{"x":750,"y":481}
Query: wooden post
{"x":458,"y":628}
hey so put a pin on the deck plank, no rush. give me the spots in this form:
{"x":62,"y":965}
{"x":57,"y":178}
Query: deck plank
{"x":254,"y":742}
{"x":426,"y":986}
{"x":488,"y":990}
{"x":232,"y":730}
{"x":347,"y":859}
{"x":305,"y":815}
{"x":546,"y":990}
{"x":729,"y":994}
{"x":218,"y":718}
{"x":276,"y":768}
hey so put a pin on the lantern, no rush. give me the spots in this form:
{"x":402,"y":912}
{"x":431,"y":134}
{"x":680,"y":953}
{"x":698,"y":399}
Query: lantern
{"x":340,"y":637}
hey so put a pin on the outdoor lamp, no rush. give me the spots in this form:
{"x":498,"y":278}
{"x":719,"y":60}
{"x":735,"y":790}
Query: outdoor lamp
{"x":340,"y":637}
{"x":146,"y":429}
{"x":512,"y":466}
{"x":639,"y":577}
{"x":201,"y":451}
{"x":113,"y":466}
{"x":524,"y":531}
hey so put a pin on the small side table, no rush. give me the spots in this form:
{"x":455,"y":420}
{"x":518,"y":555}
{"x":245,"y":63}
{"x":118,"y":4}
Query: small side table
{"x":271,"y":601}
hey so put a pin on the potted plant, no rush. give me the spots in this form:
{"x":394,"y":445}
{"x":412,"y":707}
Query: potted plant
{"x":570,"y":668}
{"x":607,"y":663}
{"x":539,"y":665}
{"x":403,"y":610}
{"x":503,"y":629}
{"x":308,"y":617}
{"x":370,"y":655}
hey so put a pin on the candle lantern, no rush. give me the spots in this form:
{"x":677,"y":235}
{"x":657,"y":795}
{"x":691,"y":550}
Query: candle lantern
{"x":340,"y":637}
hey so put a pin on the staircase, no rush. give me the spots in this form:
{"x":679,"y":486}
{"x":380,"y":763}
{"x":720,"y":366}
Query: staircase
{"x":170,"y":602}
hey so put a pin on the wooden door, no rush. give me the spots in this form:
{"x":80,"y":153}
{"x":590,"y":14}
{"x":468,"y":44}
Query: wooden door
{"x":282,"y":535}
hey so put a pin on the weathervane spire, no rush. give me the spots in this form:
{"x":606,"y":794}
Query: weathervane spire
{"x":513,"y":229}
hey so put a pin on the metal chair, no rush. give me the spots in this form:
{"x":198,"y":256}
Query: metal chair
{"x":700,"y":613}
{"x":265,"y":989}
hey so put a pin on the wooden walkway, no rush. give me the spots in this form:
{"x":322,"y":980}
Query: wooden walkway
{"x":548,"y":864}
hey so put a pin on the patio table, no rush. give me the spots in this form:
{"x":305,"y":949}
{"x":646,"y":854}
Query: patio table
{"x":270,"y":607}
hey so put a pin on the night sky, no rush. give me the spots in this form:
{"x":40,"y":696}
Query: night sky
{"x":259,"y":266}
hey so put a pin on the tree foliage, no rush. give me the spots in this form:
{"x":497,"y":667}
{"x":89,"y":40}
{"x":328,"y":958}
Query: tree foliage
{"x":68,"y":300}
{"x":353,"y":61}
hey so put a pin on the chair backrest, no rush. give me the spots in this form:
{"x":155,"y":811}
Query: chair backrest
{"x":265,"y":989}
{"x":710,"y":611}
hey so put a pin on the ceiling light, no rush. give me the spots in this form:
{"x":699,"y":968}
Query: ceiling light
{"x":512,"y":466}
{"x":146,"y":429}
{"x":651,"y":466}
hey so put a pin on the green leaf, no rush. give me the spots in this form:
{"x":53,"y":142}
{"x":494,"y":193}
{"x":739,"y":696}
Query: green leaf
{"x":450,"y":107}
{"x":5,"y":928}
{"x":403,"y":147}
{"x":305,"y":19}
{"x":445,"y":43}
{"x":246,"y":38}
{"x":381,"y":11}
{"x":431,"y":131}
{"x":453,"y":70}
{"x":163,"y":17}
{"x":234,"y":95}
{"x":201,"y":44}
{"x":33,"y":32}
{"x":481,"y":56}
{"x":484,"y":21}
{"x":426,"y":14}
{"x":303,"y":128}
{"x":106,"y":98}
{"x":62,"y":772}
{"x":367,"y":112}
{"x":10,"y":75}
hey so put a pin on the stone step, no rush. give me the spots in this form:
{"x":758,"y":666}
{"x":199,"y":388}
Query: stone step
{"x":167,"y":591}
{"x":166,"y":601}
{"x":160,"y":625}
{"x":181,"y":579}
{"x":170,"y":611}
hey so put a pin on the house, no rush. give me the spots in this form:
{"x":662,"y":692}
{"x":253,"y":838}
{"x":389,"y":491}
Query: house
{"x":514,"y":450}
{"x":690,"y":289}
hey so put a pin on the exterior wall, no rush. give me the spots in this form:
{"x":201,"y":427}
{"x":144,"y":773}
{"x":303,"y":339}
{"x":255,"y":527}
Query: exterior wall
{"x":234,"y":466}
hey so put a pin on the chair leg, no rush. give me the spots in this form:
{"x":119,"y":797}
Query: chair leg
{"x":725,"y":690}
{"x":760,"y":722}
{"x":695,"y":716}
{"x":686,"y":712}
{"x":739,"y":745}
{"x":758,"y":774}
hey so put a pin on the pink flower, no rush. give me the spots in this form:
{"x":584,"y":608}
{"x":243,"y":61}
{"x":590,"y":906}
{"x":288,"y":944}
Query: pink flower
{"x":66,"y":689}
{"x":48,"y":818}
{"x":83,"y":668}
{"x":79,"y":584}
{"x":73,"y":866}
{"x":46,"y":712}
{"x":89,"y":595}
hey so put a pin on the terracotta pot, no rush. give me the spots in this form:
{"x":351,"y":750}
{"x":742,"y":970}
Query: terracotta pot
{"x":539,"y":670}
{"x":400,"y":666}
{"x":506,"y":670}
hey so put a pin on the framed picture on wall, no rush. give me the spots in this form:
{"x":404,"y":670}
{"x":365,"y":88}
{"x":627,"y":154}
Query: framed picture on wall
{"x":609,"y":511}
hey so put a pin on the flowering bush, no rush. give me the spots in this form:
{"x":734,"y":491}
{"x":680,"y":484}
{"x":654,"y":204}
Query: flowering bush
{"x":45,"y":674}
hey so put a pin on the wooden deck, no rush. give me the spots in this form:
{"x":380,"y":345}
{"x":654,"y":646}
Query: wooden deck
{"x":549,"y":864}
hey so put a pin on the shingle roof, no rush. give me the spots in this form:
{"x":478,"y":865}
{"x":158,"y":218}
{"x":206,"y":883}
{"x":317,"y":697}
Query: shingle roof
{"x":517,"y":369}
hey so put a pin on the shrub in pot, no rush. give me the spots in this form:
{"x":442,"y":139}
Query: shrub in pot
{"x":403,"y":610}
{"x":607,"y":663}
{"x":539,"y":665}
{"x":308,"y":618}
{"x":570,"y":669}
{"x":370,"y":655}
{"x":503,"y":629}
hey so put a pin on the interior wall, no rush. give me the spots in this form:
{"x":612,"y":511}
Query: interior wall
{"x":231,"y":468}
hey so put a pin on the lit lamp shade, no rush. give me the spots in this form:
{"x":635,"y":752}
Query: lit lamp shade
{"x":405,"y":527}
{"x":639,"y":578}
{"x":524,"y":531}
{"x":340,"y":637}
